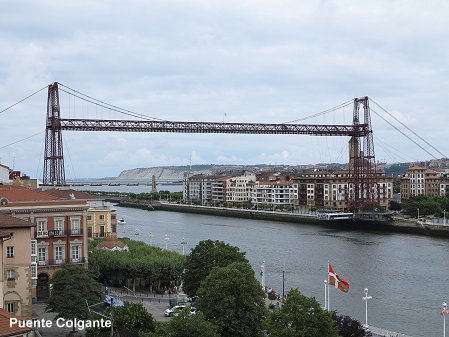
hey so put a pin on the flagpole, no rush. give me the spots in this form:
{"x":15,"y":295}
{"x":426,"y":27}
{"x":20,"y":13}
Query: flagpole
{"x":444,"y":318}
{"x":328,"y":282}
{"x":325,"y":294}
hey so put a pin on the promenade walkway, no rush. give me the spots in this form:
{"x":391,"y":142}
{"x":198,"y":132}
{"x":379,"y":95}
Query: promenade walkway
{"x":378,"y":332}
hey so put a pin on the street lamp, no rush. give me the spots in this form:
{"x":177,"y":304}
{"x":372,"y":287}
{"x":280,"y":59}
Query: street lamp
{"x":325,"y":294}
{"x":366,"y":298}
{"x":444,"y":216}
{"x":262,"y":275}
{"x":166,"y":241}
{"x":418,"y":214}
{"x":183,"y":243}
{"x":444,"y":313}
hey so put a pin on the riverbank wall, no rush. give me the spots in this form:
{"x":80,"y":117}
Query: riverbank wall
{"x":398,"y":224}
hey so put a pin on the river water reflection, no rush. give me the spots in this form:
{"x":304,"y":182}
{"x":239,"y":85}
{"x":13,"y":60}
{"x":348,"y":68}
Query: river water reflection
{"x":407,"y":275}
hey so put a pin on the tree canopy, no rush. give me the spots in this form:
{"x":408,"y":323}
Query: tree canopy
{"x":349,"y":327}
{"x":426,"y":205}
{"x":231,"y":298}
{"x":187,"y":325}
{"x":133,"y":319}
{"x":300,"y":316}
{"x":71,"y":288}
{"x":203,"y":258}
{"x":141,"y":260}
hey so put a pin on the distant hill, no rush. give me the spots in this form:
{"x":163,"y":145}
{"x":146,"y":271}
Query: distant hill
{"x":177,"y":172}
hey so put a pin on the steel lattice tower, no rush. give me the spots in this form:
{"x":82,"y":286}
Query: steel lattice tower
{"x":362,"y":164}
{"x":54,"y":173}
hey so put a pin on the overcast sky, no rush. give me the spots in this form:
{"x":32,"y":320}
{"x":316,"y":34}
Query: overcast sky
{"x":234,"y":61}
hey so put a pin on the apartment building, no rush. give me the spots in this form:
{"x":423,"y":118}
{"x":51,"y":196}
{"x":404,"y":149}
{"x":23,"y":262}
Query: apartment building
{"x":227,"y":187}
{"x":426,"y":182}
{"x":276,"y":193}
{"x":205,"y":189}
{"x":198,"y":188}
{"x":334,"y":190}
{"x":238,"y":188}
{"x":101,"y":218}
{"x":17,"y":269}
{"x":60,"y":235}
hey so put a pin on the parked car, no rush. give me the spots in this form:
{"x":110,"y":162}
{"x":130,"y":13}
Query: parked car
{"x":174,"y":311}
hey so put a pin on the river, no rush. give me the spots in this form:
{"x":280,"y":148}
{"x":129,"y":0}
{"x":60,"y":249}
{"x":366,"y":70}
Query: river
{"x":407,"y":275}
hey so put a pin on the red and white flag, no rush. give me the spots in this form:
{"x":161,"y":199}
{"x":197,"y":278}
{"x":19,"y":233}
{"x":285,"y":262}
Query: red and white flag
{"x":444,"y":312}
{"x":337,"y":281}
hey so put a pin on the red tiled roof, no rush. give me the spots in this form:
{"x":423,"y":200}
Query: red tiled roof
{"x":7,"y":221}
{"x":65,"y":194}
{"x":111,"y":242}
{"x":5,"y":330}
{"x":25,"y":197}
{"x":19,"y":193}
{"x":432,"y":172}
{"x":416,"y":168}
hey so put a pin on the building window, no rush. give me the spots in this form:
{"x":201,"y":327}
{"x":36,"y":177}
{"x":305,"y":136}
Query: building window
{"x":58,"y":254}
{"x":42,"y":255}
{"x":42,"y":228}
{"x":75,"y":253}
{"x":41,"y":225}
{"x":10,"y":274}
{"x":10,"y":307}
{"x":10,"y":251}
{"x":34,"y":270}
{"x":101,"y":217}
{"x":59,"y":224}
{"x":33,"y":247}
{"x":75,"y":226}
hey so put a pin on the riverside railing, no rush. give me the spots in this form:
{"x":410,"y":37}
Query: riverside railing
{"x":386,"y":333}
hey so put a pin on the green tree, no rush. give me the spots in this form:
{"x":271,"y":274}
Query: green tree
{"x":71,"y":288}
{"x":301,"y":316}
{"x":349,"y":327}
{"x":203,"y":258}
{"x":231,"y":298}
{"x":426,"y":205}
{"x":141,"y":262}
{"x":133,"y":319}
{"x":187,"y":325}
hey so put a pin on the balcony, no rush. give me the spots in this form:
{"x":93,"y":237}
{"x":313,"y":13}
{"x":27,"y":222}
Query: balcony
{"x":78,"y":260}
{"x":42,"y":234}
{"x":76,"y":231}
{"x":56,"y":233}
{"x":58,"y":262}
{"x":102,"y":235}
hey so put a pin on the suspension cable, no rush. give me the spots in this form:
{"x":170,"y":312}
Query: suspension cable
{"x":342,"y":105}
{"x":405,"y":135}
{"x":23,"y":99}
{"x":21,"y":140}
{"x":106,"y":105}
{"x":405,"y":126}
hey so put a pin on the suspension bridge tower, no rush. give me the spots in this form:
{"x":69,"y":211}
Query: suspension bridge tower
{"x":54,"y":173}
